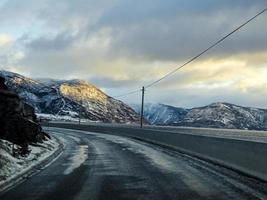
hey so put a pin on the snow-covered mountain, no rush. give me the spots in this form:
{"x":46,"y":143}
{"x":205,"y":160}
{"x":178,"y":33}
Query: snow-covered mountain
{"x":217,"y":115}
{"x":70,"y":97}
{"x":226,"y":115}
{"x":161,"y":114}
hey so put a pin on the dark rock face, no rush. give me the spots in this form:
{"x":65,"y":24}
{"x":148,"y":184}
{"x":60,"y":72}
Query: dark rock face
{"x":2,"y":84}
{"x":18,"y":123}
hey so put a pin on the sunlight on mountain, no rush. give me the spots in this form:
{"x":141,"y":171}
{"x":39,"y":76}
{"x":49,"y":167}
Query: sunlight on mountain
{"x":83,"y":92}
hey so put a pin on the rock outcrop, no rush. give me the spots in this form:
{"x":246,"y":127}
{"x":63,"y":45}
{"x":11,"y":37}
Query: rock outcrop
{"x":18,"y":122}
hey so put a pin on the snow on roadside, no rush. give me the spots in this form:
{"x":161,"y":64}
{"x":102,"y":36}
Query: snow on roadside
{"x":51,"y":117}
{"x":11,"y":167}
{"x":56,"y":117}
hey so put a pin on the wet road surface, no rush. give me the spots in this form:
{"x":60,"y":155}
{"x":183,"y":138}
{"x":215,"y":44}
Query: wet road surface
{"x":106,"y":167}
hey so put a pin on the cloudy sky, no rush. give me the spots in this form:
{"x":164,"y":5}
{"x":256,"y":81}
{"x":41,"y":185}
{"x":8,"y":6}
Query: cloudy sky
{"x":120,"y":45}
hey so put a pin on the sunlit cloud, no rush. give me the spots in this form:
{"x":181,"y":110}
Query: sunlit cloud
{"x":234,"y":71}
{"x":5,"y":40}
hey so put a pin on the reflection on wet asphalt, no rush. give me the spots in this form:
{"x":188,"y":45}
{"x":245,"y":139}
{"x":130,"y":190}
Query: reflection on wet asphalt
{"x":99,"y":166}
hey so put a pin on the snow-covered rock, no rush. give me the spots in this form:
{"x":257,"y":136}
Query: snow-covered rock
{"x":70,"y":98}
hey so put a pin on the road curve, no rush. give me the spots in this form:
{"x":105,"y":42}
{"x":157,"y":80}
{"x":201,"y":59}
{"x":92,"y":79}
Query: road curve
{"x":106,"y":167}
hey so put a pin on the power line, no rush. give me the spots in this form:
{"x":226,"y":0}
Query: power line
{"x":203,"y":52}
{"x":128,"y":93}
{"x":195,"y":57}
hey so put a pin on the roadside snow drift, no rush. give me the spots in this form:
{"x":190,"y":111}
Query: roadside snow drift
{"x":11,"y":167}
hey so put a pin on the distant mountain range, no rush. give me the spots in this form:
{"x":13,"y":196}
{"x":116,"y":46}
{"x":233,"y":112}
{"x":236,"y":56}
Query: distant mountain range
{"x":215,"y":115}
{"x":161,"y":114}
{"x":70,"y":98}
{"x":67,"y":99}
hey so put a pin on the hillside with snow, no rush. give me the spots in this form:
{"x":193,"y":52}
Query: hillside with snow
{"x":160,"y":114}
{"x":69,"y":98}
{"x":215,"y":115}
{"x":226,"y":115}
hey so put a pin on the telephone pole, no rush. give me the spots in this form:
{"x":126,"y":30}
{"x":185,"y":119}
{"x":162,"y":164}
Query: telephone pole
{"x":80,"y":110}
{"x":142,"y":107}
{"x":79,"y":116}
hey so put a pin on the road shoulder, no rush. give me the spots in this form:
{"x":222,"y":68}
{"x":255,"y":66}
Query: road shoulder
{"x":15,"y":170}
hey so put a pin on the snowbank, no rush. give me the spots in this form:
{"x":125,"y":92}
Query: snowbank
{"x":12,"y":167}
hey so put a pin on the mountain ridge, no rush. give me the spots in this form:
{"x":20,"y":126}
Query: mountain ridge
{"x":214,"y":115}
{"x":70,"y":97}
{"x":77,"y":97}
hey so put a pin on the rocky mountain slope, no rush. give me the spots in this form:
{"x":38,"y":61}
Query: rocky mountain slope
{"x":70,"y":97}
{"x":161,"y":114}
{"x":18,"y":122}
{"x":216,"y":115}
{"x":226,"y":115}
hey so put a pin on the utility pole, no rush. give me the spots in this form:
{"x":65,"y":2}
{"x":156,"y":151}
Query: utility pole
{"x":79,"y":116}
{"x":142,"y":107}
{"x":80,"y":110}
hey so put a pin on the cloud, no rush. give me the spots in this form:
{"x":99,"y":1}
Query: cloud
{"x":5,"y":40}
{"x":153,"y":30}
{"x":121,"y":45}
{"x":108,"y":82}
{"x":233,"y":71}
{"x":10,"y":56}
{"x":174,"y":30}
{"x":59,"y":42}
{"x":196,"y":97}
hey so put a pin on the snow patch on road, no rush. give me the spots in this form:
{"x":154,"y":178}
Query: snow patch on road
{"x":78,"y":159}
{"x":163,"y":162}
{"x":156,"y":157}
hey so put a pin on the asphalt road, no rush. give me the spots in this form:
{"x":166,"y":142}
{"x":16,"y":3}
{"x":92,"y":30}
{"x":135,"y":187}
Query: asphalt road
{"x":248,"y":135}
{"x":106,"y":167}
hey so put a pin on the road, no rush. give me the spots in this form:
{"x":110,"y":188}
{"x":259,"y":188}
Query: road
{"x":245,"y":135}
{"x":107,"y":167}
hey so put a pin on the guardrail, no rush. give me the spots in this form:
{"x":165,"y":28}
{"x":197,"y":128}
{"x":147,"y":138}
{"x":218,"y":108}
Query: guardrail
{"x":247,"y":157}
